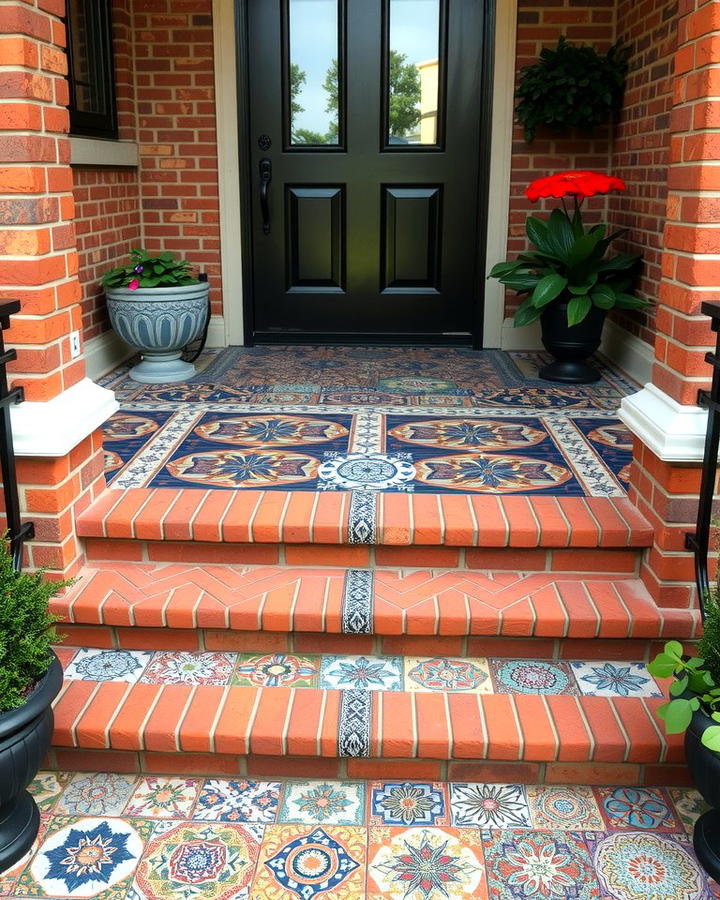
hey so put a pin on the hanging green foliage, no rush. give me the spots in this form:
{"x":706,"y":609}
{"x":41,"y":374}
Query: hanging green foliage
{"x":571,"y":86}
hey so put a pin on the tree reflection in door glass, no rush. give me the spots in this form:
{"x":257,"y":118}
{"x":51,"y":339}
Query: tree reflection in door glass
{"x":413,"y":77}
{"x":313,"y":72}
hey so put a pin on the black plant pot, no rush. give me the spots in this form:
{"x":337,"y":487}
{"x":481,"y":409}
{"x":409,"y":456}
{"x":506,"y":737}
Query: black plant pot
{"x":25,"y":735}
{"x":571,"y":345}
{"x":704,"y":767}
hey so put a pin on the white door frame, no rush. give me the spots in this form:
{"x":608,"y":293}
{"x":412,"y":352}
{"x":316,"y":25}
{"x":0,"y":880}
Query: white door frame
{"x":226,"y":99}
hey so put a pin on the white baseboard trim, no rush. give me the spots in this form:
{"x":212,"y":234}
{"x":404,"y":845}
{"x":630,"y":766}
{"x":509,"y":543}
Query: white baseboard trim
{"x":627,"y":352}
{"x":216,"y":332}
{"x":53,"y":428}
{"x":673,"y":432}
{"x":525,"y":338}
{"x":104,"y":353}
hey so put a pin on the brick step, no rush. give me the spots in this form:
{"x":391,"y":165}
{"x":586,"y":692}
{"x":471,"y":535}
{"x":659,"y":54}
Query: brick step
{"x":213,"y":729}
{"x":459,"y":612}
{"x":359,"y":520}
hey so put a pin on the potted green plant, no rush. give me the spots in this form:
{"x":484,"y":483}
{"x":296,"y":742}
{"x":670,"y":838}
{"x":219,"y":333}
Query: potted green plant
{"x":571,"y":86}
{"x":158,"y":306}
{"x":30,"y":679}
{"x":567,"y":278}
{"x":694,"y":708}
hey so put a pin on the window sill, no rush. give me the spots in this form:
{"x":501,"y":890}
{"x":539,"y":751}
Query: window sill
{"x":86,"y":151}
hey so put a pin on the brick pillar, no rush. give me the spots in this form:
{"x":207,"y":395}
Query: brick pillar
{"x":57,"y":430}
{"x":665,"y":475}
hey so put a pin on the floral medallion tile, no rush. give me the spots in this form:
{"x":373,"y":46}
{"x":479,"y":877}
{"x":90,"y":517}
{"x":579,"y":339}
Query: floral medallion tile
{"x":646,"y":866}
{"x":86,"y":857}
{"x":320,"y":802}
{"x":180,"y":667}
{"x":238,"y":801}
{"x":299,"y":862}
{"x":526,"y":676}
{"x":108,"y":665}
{"x":637,"y":807}
{"x":198,"y":861}
{"x":47,"y":787}
{"x":443,"y":674}
{"x":689,"y":806}
{"x":362,"y":673}
{"x":489,"y":806}
{"x":539,"y":865}
{"x":615,"y":679}
{"x":564,"y":808}
{"x":163,"y":798}
{"x":102,"y":794}
{"x":407,"y":803}
{"x":425,"y":864}
{"x":277,"y":670}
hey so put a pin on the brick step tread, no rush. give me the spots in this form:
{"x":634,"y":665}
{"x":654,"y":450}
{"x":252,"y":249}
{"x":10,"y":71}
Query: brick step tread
{"x":271,"y":722}
{"x":374,"y":602}
{"x":394,"y":519}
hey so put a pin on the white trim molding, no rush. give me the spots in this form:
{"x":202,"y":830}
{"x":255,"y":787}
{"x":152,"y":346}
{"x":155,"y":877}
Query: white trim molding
{"x":501,"y":130}
{"x":226,"y":116}
{"x":53,"y":428}
{"x":673,"y":432}
{"x":100,"y":152}
{"x":630,"y":353}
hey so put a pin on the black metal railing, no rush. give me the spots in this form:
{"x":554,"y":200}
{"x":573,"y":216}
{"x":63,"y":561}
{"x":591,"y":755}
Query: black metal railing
{"x":17,"y":531}
{"x":699,"y":540}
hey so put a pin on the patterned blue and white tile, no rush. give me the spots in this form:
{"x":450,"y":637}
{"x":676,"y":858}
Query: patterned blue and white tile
{"x":239,"y":800}
{"x":489,"y":805}
{"x":630,"y":808}
{"x":104,"y":793}
{"x":615,"y":679}
{"x":369,"y":673}
{"x":108,"y":665}
{"x":408,"y":803}
{"x":323,"y":803}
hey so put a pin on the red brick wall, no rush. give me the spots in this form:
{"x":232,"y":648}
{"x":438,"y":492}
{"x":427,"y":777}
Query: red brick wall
{"x":540,"y":24}
{"x":165,"y":87}
{"x":107,"y":200}
{"x":176,"y":128}
{"x":641,"y":143}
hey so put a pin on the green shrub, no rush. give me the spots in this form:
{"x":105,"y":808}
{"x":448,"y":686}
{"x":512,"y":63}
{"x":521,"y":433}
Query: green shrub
{"x":709,"y":644}
{"x":571,"y":86}
{"x":145,"y":271}
{"x":26,"y":630}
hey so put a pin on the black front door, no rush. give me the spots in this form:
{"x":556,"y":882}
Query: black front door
{"x":366,"y":152}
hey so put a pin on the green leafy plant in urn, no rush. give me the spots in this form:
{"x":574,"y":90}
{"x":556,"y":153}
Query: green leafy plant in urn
{"x":158,"y":306}
{"x":567,"y":279}
{"x":30,"y":679}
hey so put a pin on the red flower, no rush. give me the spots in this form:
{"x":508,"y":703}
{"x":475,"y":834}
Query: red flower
{"x":134,"y":284}
{"x":581,"y":184}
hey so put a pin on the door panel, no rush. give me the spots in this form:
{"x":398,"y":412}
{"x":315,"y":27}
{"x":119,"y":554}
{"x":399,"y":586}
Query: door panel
{"x":371,"y":225}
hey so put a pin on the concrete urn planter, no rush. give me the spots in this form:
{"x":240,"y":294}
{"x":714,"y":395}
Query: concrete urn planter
{"x":159,"y":322}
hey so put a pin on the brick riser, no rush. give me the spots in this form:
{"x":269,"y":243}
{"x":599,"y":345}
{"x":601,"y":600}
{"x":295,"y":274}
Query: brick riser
{"x":233,"y":730}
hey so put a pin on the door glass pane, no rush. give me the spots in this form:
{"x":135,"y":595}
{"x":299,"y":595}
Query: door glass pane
{"x":313,"y":72}
{"x":414,"y":69}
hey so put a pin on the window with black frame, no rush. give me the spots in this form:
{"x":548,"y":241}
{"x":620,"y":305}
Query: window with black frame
{"x":91,"y":69}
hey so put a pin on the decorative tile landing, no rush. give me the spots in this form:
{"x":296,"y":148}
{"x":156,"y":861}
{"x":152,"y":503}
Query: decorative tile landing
{"x":369,"y":419}
{"x":218,"y":839}
{"x":362,"y":673}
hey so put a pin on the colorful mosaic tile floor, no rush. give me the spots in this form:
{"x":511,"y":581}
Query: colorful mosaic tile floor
{"x":175,"y":838}
{"x":363,"y":419}
{"x":372,"y":673}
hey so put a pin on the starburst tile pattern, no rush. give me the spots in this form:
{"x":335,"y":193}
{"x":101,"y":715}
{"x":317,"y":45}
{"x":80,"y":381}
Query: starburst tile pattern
{"x":177,"y":838}
{"x":615,"y":679}
{"x":108,"y":665}
{"x":443,"y":674}
{"x":178,"y":667}
{"x":367,"y":673}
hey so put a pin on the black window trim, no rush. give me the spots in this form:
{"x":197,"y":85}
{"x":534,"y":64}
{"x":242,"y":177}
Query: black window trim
{"x":87,"y":124}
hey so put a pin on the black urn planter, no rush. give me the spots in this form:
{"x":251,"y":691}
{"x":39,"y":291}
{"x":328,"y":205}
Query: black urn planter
{"x":571,"y":345}
{"x":25,"y":735}
{"x":704,"y":765}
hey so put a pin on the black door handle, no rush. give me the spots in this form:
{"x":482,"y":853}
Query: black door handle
{"x":265,"y":179}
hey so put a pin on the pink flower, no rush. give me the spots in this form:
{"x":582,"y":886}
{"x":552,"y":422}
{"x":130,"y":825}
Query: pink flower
{"x":134,"y":284}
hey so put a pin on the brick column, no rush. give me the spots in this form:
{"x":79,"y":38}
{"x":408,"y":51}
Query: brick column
{"x":57,"y":434}
{"x":665,"y":475}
